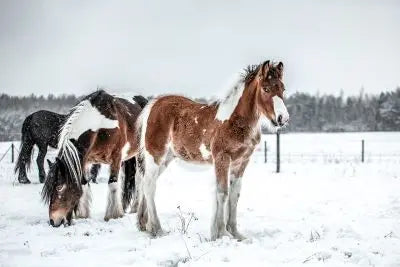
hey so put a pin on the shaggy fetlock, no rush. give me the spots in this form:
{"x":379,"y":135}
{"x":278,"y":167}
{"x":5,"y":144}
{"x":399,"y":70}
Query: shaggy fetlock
{"x":114,"y":204}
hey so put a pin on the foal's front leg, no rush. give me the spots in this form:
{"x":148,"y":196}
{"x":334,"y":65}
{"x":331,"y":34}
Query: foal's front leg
{"x":234,"y":193}
{"x":114,"y":202}
{"x":83,"y":208}
{"x":218,"y":225}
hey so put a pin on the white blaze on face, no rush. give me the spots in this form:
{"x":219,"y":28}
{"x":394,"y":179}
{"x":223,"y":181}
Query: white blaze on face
{"x":204,"y":152}
{"x":124,"y":151}
{"x":195,"y":120}
{"x":280,"y":109}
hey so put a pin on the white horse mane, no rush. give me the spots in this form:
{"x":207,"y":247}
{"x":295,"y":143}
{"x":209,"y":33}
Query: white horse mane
{"x":66,"y":148}
{"x":228,"y":104}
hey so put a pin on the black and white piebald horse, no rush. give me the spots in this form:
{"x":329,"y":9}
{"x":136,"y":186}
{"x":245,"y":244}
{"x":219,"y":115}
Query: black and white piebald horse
{"x":100,"y":129}
{"x":42,"y":129}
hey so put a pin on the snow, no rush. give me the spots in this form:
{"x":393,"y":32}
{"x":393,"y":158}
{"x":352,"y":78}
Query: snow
{"x":317,"y":212}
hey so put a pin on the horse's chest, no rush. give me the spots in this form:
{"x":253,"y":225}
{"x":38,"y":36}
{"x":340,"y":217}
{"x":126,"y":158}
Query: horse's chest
{"x":242,"y":152}
{"x":244,"y":149}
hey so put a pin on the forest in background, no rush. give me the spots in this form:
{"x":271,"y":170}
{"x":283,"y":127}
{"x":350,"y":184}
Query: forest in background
{"x":308,"y":113}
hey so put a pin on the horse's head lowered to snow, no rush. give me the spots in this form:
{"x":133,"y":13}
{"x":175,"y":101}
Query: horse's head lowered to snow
{"x":61,"y":192}
{"x":269,"y":85}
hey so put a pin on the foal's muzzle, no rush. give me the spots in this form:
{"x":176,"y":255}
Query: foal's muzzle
{"x":57,"y":223}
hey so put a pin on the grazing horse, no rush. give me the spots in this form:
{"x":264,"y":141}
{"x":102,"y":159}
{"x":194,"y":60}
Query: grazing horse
{"x":100,"y":129}
{"x":41,"y":128}
{"x":224,"y":134}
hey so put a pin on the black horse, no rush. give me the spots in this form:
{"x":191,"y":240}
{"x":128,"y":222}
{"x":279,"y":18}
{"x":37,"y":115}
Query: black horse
{"x":41,"y":128}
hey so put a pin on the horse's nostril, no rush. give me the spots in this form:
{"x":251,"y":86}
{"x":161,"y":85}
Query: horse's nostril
{"x":51,"y":222}
{"x":280,"y":119}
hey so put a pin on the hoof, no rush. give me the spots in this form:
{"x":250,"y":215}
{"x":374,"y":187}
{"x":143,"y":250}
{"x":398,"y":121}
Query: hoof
{"x":154,"y":229}
{"x":41,"y":179}
{"x":114,"y":216}
{"x":239,"y":236}
{"x":220,"y":234}
{"x":235,"y":233}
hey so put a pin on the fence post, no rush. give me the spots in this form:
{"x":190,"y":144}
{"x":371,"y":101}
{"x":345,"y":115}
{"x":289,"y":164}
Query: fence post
{"x":278,"y":152}
{"x":12,"y":153}
{"x":265,"y":151}
{"x":362,"y":150}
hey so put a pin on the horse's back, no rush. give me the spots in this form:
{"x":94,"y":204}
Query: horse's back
{"x":182,"y":121}
{"x":110,"y":140}
{"x":43,"y":126}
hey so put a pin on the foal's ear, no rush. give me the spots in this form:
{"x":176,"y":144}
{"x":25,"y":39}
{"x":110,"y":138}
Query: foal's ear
{"x":280,"y":66}
{"x":265,"y":67}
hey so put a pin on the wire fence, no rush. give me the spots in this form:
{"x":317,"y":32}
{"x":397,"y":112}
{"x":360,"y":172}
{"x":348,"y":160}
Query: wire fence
{"x":270,"y":153}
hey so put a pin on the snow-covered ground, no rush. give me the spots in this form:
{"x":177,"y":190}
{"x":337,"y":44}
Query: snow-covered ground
{"x":319,"y":210}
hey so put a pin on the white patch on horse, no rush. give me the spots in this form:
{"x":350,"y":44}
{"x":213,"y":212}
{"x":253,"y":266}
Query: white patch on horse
{"x":91,"y":119}
{"x":229,"y":103}
{"x":264,"y":122}
{"x":204,"y":152}
{"x":195,"y":120}
{"x":202,"y":107}
{"x":114,"y":207}
{"x":125,"y":151}
{"x":83,"y":117}
{"x":280,"y":109}
{"x":204,"y":131}
{"x":83,"y":210}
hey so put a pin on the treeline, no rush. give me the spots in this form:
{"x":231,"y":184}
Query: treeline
{"x":308,"y":113}
{"x":14,"y":109}
{"x":328,"y":113}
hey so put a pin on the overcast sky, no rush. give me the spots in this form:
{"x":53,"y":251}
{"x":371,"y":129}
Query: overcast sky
{"x":193,"y":47}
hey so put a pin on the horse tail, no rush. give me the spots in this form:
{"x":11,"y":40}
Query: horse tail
{"x":141,"y":124}
{"x":26,"y":147}
{"x":129,"y":182}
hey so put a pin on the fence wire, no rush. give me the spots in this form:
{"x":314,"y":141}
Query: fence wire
{"x":258,"y":155}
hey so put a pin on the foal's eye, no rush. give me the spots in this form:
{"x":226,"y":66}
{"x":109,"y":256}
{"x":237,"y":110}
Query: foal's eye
{"x":59,"y":188}
{"x":267,"y":90}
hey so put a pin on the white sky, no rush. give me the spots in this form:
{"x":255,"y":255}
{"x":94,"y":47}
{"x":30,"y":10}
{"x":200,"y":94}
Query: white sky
{"x":192,"y":47}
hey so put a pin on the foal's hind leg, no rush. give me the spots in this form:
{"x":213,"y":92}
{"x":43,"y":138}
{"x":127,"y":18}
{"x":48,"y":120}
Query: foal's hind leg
{"x":152,"y":171}
{"x":114,"y":202}
{"x":139,"y":200}
{"x":153,"y":225}
{"x":40,"y":162}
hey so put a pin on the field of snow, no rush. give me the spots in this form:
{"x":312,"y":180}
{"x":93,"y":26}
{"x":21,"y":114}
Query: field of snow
{"x":324,"y":208}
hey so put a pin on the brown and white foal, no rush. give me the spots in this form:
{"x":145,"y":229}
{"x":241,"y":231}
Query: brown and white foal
{"x":224,"y":134}
{"x":100,"y":129}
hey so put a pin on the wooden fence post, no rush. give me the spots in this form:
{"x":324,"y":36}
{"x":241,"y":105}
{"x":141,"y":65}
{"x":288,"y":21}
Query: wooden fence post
{"x":278,"y":152}
{"x":265,"y":151}
{"x":12,"y":153}
{"x":362,"y":150}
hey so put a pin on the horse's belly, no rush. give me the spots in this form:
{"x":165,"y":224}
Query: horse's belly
{"x":196,"y":153}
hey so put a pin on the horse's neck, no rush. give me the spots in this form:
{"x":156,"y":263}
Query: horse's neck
{"x":246,"y":109}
